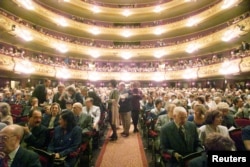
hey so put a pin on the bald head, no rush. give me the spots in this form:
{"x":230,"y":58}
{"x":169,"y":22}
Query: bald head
{"x":11,"y":136}
{"x":13,"y":129}
{"x":180,"y":115}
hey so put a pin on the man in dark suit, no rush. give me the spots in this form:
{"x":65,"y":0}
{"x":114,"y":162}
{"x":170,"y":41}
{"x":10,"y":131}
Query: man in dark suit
{"x":35,"y":132}
{"x":12,"y":154}
{"x":40,"y":91}
{"x":179,"y":137}
{"x":58,"y":97}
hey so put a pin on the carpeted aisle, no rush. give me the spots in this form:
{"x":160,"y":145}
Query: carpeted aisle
{"x":125,"y":152}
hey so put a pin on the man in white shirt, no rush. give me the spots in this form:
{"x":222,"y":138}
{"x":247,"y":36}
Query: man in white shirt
{"x":93,"y":111}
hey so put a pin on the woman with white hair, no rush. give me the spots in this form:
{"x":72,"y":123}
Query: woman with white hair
{"x":5,"y":115}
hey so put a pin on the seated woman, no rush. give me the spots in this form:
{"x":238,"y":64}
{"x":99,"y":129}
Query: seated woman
{"x":51,"y":120}
{"x":199,"y":115}
{"x":213,"y":122}
{"x":66,"y":139}
{"x":5,"y":115}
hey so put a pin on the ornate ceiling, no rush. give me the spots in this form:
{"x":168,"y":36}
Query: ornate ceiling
{"x":115,"y":29}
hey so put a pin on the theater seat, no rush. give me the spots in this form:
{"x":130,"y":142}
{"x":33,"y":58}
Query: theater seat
{"x":236,"y":136}
{"x":240,"y":122}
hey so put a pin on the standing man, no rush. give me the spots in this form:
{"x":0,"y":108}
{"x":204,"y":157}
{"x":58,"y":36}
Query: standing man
{"x":58,"y":97}
{"x":136,"y":97}
{"x":179,"y":137}
{"x":40,"y":92}
{"x":125,"y":109}
{"x":11,"y":153}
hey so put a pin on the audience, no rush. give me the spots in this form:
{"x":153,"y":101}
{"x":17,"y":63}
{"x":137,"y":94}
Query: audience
{"x":34,"y":132}
{"x":66,"y":139}
{"x":5,"y":113}
{"x":179,"y":137}
{"x":11,"y":153}
{"x":51,"y":120}
{"x":213,"y":122}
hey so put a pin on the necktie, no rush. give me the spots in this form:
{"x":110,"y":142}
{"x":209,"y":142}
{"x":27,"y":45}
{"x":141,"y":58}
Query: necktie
{"x":5,"y":161}
{"x":182,"y":134}
{"x":77,"y":119}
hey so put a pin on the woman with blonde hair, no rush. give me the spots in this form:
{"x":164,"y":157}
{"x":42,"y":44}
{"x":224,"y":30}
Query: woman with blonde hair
{"x":5,"y":114}
{"x":199,"y":115}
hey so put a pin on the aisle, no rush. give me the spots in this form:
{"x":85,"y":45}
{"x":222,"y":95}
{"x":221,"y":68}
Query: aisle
{"x":125,"y":152}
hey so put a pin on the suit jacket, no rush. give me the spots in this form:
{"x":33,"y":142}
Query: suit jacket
{"x":228,"y":121}
{"x":46,"y":120}
{"x":161,"y":121}
{"x":25,"y":158}
{"x":37,"y":138}
{"x":63,"y":143}
{"x":61,"y":102}
{"x":172,"y":142}
{"x":86,"y":124}
{"x":40,"y":93}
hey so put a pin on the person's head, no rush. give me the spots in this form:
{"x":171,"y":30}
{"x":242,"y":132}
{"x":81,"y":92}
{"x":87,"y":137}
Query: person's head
{"x":112,"y":83}
{"x":180,"y":115}
{"x":170,"y":110}
{"x":213,"y":118}
{"x":217,"y":100}
{"x":89,"y":102}
{"x":55,"y":109}
{"x":4,"y":109}
{"x":71,"y":90}
{"x":223,"y":107}
{"x":121,"y":86}
{"x":201,"y":100}
{"x":238,"y":102}
{"x":77,"y":108}
{"x":84,"y":91}
{"x":18,"y":95}
{"x":67,"y":120}
{"x":47,"y":109}
{"x":199,"y":110}
{"x":47,"y":82}
{"x":35,"y":118}
{"x":34,"y":101}
{"x":158,"y":103}
{"x":10,"y":137}
{"x":218,"y":142}
{"x":60,"y":88}
{"x":246,"y":137}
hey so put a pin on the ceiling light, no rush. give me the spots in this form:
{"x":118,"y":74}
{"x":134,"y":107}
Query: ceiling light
{"x":126,"y":13}
{"x":95,"y":31}
{"x":63,"y":73}
{"x":61,"y":22}
{"x":158,"y":77}
{"x":192,"y":47}
{"x":94,"y":53}
{"x":158,"y":31}
{"x":126,"y":33}
{"x":93,"y":76}
{"x":229,"y":68}
{"x":96,"y":9}
{"x":230,"y":34}
{"x":26,"y":4}
{"x":24,"y":34}
{"x":126,"y":55}
{"x":228,"y":3}
{"x":24,"y":66}
{"x":159,"y":53}
{"x":61,"y":47}
{"x":192,"y":21}
{"x":158,"y":9}
{"x":190,"y":74}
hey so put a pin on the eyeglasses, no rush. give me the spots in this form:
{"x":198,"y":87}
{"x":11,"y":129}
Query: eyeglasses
{"x":5,"y":138}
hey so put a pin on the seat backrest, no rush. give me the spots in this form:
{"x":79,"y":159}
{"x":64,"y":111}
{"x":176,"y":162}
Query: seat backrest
{"x":16,"y":109}
{"x":242,"y":122}
{"x":236,"y":136}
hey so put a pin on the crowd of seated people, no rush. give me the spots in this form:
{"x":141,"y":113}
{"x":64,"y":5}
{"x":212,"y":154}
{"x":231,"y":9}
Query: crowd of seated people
{"x":163,"y":66}
{"x":110,"y":44}
{"x":170,"y":108}
{"x":140,"y":25}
